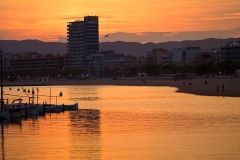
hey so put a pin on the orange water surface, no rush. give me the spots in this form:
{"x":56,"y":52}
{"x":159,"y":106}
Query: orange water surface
{"x":125,"y":122}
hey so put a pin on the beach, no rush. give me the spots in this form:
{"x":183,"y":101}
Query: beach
{"x":195,"y":86}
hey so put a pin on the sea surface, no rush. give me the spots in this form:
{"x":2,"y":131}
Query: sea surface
{"x":124,"y":122}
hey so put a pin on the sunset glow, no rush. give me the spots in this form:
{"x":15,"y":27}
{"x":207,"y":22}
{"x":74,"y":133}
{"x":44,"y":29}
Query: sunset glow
{"x":46,"y":20}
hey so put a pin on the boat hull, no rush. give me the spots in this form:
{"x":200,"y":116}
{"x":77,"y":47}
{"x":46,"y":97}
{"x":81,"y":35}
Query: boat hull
{"x":15,"y":113}
{"x":4,"y":115}
{"x":53,"y":108}
{"x":32,"y":111}
{"x":70,"y":107}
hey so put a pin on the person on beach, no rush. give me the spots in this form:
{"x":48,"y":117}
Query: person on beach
{"x":217,"y":87}
{"x":222,"y":88}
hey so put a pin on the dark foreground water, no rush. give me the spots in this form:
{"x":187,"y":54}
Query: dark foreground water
{"x":117,"y":122}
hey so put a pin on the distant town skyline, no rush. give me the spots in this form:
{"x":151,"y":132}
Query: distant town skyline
{"x":131,"y":21}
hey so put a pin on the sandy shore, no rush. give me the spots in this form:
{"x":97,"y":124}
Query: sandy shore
{"x":231,"y":85}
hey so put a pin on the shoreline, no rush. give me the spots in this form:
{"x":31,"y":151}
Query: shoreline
{"x":197,"y":87}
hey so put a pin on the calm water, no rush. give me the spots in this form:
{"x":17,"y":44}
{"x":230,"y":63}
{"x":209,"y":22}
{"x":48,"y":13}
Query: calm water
{"x":116,"y":122}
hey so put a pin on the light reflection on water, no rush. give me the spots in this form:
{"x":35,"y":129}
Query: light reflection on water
{"x":116,"y":122}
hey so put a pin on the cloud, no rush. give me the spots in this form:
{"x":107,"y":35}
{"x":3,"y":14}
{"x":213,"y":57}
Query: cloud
{"x":237,"y":29}
{"x":156,"y":37}
{"x":105,"y":17}
{"x":141,"y":37}
{"x":72,"y":18}
{"x":233,"y":14}
{"x":62,"y":39}
{"x":29,"y":22}
{"x":226,"y":17}
{"x":114,"y":21}
{"x":171,"y":34}
{"x":141,"y":34}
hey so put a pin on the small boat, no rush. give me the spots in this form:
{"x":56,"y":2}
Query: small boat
{"x":15,"y":113}
{"x":4,"y":114}
{"x":16,"y":108}
{"x":11,"y":111}
{"x":32,"y":110}
{"x":40,"y":108}
{"x":53,"y":108}
{"x":25,"y":108}
{"x":70,"y":107}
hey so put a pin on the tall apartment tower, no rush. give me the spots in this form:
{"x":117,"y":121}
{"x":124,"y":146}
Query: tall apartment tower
{"x":83,"y":41}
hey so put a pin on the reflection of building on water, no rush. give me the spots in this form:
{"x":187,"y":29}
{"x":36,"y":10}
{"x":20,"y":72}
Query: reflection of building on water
{"x":86,"y":140}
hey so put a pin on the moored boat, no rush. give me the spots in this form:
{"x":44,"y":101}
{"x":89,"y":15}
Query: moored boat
{"x":4,"y":114}
{"x":53,"y":108}
{"x":25,"y":108}
{"x":32,"y":110}
{"x":70,"y":107}
{"x":15,"y":113}
{"x":40,"y":109}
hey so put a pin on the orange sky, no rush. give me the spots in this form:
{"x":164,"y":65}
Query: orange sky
{"x":46,"y":20}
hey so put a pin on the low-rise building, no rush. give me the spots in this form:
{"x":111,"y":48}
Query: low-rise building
{"x":185,"y":55}
{"x":6,"y":57}
{"x":95,"y":64}
{"x":159,"y":57}
{"x":230,"y":52}
{"x":35,"y":61}
{"x":207,"y":57}
{"x":141,"y":60}
{"x":117,"y":63}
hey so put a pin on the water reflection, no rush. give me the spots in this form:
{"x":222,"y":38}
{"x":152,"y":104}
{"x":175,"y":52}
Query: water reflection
{"x":85,"y":130}
{"x":85,"y":121}
{"x":128,"y":123}
{"x":2,"y":142}
{"x":16,"y":121}
{"x":4,"y":121}
{"x":84,"y":99}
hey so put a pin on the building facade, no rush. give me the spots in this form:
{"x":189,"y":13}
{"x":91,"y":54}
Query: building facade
{"x":185,"y":55}
{"x":159,"y":57}
{"x":83,"y":41}
{"x":6,"y":57}
{"x":207,"y":57}
{"x":35,"y":61}
{"x":118,"y":63}
{"x":95,"y":64}
{"x":230,"y":52}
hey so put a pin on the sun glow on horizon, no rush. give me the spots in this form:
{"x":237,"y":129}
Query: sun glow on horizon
{"x":46,"y":20}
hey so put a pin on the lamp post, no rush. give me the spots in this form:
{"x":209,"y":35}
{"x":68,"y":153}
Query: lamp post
{"x":37,"y":95}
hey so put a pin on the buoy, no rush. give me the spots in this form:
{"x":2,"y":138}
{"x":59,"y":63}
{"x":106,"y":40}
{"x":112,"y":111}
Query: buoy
{"x":60,"y":94}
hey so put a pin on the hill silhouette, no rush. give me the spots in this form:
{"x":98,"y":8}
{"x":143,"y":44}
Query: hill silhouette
{"x":138,"y":49}
{"x":13,"y":46}
{"x":130,"y":48}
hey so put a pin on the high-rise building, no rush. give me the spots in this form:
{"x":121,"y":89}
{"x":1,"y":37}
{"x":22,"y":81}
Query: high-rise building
{"x":83,"y":41}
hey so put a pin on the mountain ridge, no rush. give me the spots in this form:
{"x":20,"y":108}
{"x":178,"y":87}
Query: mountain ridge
{"x":127,"y":48}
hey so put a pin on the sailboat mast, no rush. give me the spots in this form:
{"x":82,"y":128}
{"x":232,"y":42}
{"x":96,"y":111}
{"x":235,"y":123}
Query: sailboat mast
{"x":2,"y":102}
